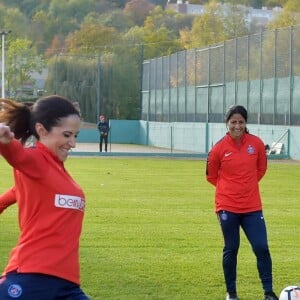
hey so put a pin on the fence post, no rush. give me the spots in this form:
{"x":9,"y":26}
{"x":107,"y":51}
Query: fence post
{"x":291,"y":73}
{"x":98,"y":87}
{"x":171,"y":138}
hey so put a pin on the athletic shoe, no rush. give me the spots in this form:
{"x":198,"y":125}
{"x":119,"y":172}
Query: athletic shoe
{"x":270,"y":296}
{"x":231,"y":296}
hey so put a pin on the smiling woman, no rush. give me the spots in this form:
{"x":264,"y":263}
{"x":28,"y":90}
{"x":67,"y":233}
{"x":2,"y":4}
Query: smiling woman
{"x":236,"y":122}
{"x":62,"y":137}
{"x":235,"y":165}
{"x":47,"y":250}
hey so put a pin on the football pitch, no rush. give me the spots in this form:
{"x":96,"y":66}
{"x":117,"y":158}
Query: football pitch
{"x":150,"y":231}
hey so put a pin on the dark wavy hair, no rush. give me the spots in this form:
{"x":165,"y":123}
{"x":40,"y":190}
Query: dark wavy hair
{"x":22,"y":117}
{"x":237,"y":109}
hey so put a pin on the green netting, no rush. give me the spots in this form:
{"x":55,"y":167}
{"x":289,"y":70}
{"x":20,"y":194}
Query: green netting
{"x":259,"y":71}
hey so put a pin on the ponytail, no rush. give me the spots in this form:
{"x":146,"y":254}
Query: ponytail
{"x":17,"y":116}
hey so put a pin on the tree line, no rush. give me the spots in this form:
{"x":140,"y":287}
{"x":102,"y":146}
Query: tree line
{"x":121,"y":33}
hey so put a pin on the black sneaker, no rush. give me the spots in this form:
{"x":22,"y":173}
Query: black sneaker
{"x":231,"y":296}
{"x":270,"y":296}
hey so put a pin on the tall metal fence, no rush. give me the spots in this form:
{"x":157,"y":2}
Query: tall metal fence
{"x":260,"y":71}
{"x":107,"y":83}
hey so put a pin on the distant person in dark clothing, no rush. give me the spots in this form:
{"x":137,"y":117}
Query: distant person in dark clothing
{"x":103,"y":128}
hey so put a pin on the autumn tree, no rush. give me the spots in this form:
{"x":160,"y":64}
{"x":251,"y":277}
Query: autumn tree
{"x":14,"y":20}
{"x":234,"y":21}
{"x":207,"y":28}
{"x":283,"y":19}
{"x":116,"y":19}
{"x":185,"y":38}
{"x":56,"y":47}
{"x":22,"y":59}
{"x":42,"y":30}
{"x":91,"y":39}
{"x":138,"y":10}
{"x":155,"y":43}
{"x":169,"y":19}
{"x":160,"y":42}
{"x":292,"y":6}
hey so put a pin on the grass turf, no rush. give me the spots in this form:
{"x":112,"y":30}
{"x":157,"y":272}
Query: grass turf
{"x":150,"y":231}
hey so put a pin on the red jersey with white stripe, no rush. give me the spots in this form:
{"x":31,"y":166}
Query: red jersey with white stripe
{"x":51,"y":209}
{"x":236,"y":169}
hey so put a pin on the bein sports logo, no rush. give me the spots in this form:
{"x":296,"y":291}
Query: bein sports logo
{"x":69,"y":202}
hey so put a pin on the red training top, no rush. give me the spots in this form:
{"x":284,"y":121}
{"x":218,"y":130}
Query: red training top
{"x":235,"y":169}
{"x":51,"y":210}
{"x":8,"y":198}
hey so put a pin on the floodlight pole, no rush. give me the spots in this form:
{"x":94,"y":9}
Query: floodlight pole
{"x":3,"y":34}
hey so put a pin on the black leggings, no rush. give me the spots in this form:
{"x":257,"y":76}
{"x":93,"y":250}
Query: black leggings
{"x":103,"y":137}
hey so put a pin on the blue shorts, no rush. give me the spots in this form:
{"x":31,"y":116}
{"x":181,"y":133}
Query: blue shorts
{"x":32,"y":286}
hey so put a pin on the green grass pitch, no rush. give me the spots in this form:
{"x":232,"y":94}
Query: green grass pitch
{"x":150,"y":231}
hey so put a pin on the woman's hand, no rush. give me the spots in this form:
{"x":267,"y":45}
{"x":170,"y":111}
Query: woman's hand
{"x":6,"y":135}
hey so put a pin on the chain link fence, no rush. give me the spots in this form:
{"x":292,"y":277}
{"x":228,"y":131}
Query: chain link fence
{"x":260,"y":71}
